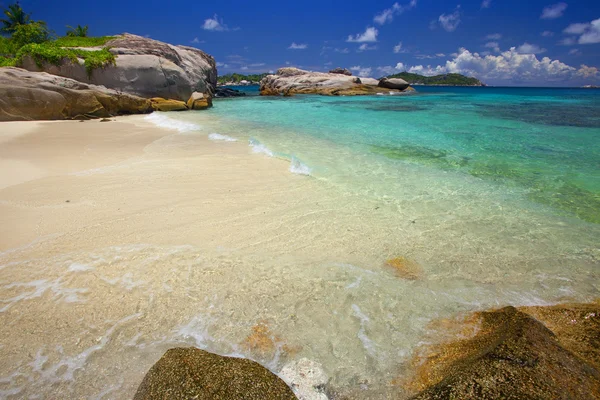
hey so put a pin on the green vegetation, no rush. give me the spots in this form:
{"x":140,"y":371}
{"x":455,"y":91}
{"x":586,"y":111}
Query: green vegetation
{"x":236,"y":78}
{"x":446,"y":79}
{"x":79,"y":31}
{"x":51,"y":53}
{"x":78,"y":41}
{"x":33,"y":39}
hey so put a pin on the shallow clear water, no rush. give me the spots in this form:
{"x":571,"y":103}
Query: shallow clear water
{"x":544,"y":141}
{"x":494,"y":193}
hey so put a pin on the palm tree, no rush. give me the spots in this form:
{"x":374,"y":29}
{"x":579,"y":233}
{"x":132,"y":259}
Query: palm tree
{"x":79,"y":31}
{"x":15,"y":16}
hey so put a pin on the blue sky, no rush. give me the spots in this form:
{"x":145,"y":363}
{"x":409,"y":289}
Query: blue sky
{"x":502,"y":42}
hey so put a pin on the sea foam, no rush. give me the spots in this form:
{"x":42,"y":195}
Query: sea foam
{"x":217,"y":137}
{"x":166,"y":122}
{"x":298,"y":167}
{"x":258,"y":147}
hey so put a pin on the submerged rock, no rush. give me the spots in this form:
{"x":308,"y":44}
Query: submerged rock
{"x":228,"y":92}
{"x":289,"y":81}
{"x":405,"y":268}
{"x":515,"y":356}
{"x":26,"y":95}
{"x":190,"y":373}
{"x":306,"y":378}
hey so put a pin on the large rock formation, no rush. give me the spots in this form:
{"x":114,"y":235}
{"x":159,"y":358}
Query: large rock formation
{"x":146,"y":68}
{"x":28,"y":95}
{"x":290,"y":81}
{"x":514,"y":356}
{"x":189,"y":373}
{"x":340,"y":70}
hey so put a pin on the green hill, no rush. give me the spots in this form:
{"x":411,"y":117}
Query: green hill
{"x":236,"y":78}
{"x":446,"y":79}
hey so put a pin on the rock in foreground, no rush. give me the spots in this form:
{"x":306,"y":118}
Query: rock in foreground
{"x":28,"y":95}
{"x":514,"y":356}
{"x":190,"y":373}
{"x":144,"y":67}
{"x":289,"y":81}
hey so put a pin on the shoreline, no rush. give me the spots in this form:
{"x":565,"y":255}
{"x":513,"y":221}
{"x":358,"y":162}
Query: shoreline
{"x":170,"y":239}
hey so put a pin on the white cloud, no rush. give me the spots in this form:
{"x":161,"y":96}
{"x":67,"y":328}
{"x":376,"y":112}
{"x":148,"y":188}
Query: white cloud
{"x":244,"y":68}
{"x":494,"y":36}
{"x":592,"y":34}
{"x":588,"y":72}
{"x":389,"y":70}
{"x":295,"y":46}
{"x":398,"y":48}
{"x":575,"y":52}
{"x":214,"y":24}
{"x":388,"y":14}
{"x":365,"y":47}
{"x":220,"y":64}
{"x":554,"y":11}
{"x":569,"y":41}
{"x":450,"y":21}
{"x":527,"y":48}
{"x":547,"y":34}
{"x":493,"y":45}
{"x":363,"y":72}
{"x":509,"y":66}
{"x":400,"y":66}
{"x":428,"y":70}
{"x":576,"y":29}
{"x":197,"y":41}
{"x":256,"y":65}
{"x":343,"y":51}
{"x":486,"y":3}
{"x":369,"y":36}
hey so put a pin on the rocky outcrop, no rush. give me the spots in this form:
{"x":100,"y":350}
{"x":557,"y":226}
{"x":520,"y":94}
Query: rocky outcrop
{"x":342,"y":71}
{"x":189,"y":373}
{"x":146,"y":68}
{"x":289,"y":81}
{"x":393,"y":83}
{"x":199,"y":101}
{"x":228,"y":92}
{"x":26,"y":95}
{"x":160,"y":104}
{"x":514,"y":356}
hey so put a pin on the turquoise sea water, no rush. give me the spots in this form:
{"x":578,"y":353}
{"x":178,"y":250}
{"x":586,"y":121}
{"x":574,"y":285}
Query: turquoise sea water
{"x":543,"y":141}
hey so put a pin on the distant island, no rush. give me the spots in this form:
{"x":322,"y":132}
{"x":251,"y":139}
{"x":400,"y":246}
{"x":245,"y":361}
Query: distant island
{"x":413,"y":79}
{"x":438,"y":80}
{"x":240,"y":79}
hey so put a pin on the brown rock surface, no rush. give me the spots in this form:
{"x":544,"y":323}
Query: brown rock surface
{"x":28,"y":95}
{"x":199,"y":101}
{"x":160,"y":104}
{"x":405,"y":268}
{"x":514,"y":356}
{"x":190,"y":373}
